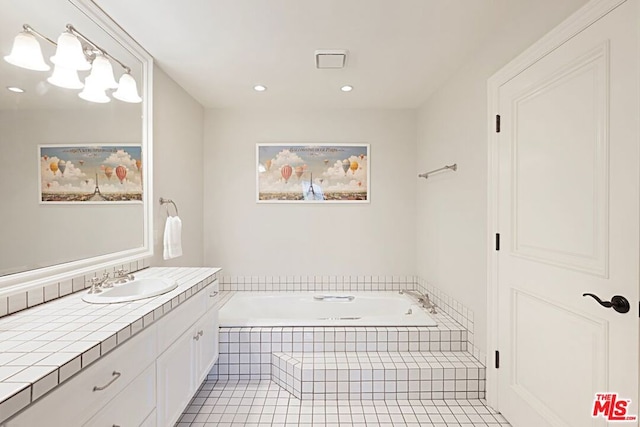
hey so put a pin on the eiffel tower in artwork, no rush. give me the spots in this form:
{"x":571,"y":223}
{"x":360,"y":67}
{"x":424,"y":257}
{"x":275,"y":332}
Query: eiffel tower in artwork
{"x":97,"y":196}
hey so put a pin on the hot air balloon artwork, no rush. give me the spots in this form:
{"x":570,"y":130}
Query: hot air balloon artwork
{"x":324,"y":172}
{"x":346,"y":164}
{"x":121,"y":173}
{"x":85,"y":172}
{"x":286,"y":171}
{"x":353,"y":167}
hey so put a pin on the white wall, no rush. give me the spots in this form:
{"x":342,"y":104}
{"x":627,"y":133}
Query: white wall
{"x":452,"y":128}
{"x":177,"y":167}
{"x":246,"y":238}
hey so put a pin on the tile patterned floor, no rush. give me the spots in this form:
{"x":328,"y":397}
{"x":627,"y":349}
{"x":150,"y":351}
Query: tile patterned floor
{"x":264,"y":403}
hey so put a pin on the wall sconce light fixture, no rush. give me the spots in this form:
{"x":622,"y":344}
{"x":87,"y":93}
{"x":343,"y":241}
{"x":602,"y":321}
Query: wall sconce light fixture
{"x":75,"y":52}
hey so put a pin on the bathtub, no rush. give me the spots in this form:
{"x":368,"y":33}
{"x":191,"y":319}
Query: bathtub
{"x":324,"y":308}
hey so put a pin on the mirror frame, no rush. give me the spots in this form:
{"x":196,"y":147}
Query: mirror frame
{"x":26,"y":280}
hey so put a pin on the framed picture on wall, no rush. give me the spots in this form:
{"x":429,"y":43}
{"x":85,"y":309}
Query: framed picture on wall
{"x":90,"y":173}
{"x":312,"y":173}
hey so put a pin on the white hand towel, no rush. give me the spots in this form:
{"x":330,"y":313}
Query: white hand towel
{"x":172,"y":237}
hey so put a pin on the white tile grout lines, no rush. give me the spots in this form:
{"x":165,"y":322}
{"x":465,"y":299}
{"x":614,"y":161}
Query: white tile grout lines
{"x":258,"y":403}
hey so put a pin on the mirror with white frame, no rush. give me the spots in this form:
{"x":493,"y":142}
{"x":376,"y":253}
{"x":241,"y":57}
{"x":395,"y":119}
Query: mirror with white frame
{"x":75,"y":175}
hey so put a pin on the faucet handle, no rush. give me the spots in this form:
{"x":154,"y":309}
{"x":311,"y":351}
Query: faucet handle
{"x":121,"y":272}
{"x":95,"y":282}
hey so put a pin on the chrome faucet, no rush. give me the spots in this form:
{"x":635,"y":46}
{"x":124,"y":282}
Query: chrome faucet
{"x":423,"y":299}
{"x":119,"y":277}
{"x":122,"y":276}
{"x":97,"y":283}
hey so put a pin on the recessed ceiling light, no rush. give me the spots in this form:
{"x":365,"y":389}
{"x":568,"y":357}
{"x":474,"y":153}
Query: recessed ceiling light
{"x":346,"y":88}
{"x":15,"y":89}
{"x":259,"y":88}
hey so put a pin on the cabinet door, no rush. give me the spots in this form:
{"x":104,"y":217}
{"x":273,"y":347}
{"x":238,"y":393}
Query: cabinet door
{"x":175,"y":375}
{"x":207,"y":347}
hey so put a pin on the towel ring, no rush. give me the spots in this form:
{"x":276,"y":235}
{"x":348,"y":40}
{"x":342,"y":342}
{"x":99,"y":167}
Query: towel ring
{"x":164,"y":201}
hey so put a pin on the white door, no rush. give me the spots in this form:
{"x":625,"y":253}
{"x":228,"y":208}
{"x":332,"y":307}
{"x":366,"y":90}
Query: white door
{"x":568,"y":215}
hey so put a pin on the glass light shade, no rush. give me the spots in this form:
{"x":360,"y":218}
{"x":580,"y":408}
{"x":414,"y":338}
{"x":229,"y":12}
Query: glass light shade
{"x":93,"y":92}
{"x":65,"y":77}
{"x":127,"y":89}
{"x":69,"y":53}
{"x":102,"y":73}
{"x":26,"y":53}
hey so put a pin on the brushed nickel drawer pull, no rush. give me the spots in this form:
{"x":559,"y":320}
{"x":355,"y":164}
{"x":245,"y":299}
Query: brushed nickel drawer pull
{"x":196,"y":337}
{"x":115,"y":374}
{"x":215,"y":293}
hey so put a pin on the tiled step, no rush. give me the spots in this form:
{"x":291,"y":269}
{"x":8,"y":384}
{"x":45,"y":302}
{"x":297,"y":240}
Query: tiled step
{"x":380,"y":375}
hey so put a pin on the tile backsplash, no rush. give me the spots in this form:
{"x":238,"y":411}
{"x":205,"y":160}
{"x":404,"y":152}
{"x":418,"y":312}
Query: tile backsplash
{"x":22,"y":300}
{"x":316,"y":283}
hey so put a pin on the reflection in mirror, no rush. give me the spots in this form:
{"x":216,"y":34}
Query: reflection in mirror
{"x":73,"y":160}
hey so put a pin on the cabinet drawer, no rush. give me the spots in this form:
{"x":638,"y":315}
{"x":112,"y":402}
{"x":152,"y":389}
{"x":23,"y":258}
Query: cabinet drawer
{"x":75,"y":401}
{"x":180,"y":319}
{"x":132,"y":406}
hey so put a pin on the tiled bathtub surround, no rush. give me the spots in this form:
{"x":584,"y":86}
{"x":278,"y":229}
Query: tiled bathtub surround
{"x":44,"y":346}
{"x":380,"y":375}
{"x":457,"y":311}
{"x":19,"y":301}
{"x":245,"y":353}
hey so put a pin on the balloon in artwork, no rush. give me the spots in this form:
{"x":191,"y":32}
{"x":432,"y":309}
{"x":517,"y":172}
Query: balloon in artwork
{"x":346,"y":164}
{"x":354,"y":167}
{"x":286,"y":172}
{"x":121,"y":173}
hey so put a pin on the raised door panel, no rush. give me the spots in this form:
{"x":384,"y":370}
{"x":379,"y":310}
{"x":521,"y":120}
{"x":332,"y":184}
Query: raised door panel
{"x":175,"y":372}
{"x":560,"y":169}
{"x":207,"y":353}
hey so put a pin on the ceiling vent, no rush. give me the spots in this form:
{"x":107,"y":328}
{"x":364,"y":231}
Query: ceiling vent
{"x":331,"y":59}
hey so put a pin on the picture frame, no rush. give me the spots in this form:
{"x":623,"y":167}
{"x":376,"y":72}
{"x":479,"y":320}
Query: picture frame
{"x":313,"y":173}
{"x":90,"y":173}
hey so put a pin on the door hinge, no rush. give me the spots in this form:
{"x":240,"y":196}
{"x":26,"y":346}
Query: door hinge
{"x":497,"y":359}
{"x":497,"y":241}
{"x":497,"y":123}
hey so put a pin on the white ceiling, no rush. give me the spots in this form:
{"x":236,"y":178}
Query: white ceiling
{"x":400,"y":51}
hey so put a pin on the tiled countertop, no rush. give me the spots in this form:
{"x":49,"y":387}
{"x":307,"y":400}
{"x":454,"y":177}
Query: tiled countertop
{"x":43,"y":346}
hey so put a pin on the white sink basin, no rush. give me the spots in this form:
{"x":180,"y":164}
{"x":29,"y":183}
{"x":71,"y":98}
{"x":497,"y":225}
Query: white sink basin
{"x":132,"y":291}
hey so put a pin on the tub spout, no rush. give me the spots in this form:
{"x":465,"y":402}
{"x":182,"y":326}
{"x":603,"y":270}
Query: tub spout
{"x":423,"y":299}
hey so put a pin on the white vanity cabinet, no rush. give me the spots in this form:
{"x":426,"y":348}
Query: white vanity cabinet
{"x":100,"y":385}
{"x":147,"y":381}
{"x":197,"y":344}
